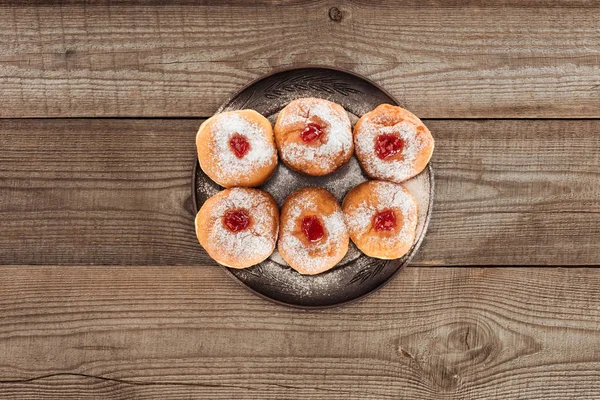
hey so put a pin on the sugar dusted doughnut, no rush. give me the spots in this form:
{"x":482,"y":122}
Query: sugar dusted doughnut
{"x":392,"y":143}
{"x":314,"y":136}
{"x":237,"y":148}
{"x":381,"y":218}
{"x":238,"y":227}
{"x":313,"y":236}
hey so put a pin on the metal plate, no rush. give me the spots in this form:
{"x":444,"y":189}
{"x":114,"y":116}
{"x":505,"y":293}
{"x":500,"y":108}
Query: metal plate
{"x":356,"y":275}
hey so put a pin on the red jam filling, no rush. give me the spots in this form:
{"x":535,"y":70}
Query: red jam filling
{"x":388,"y":145}
{"x":384,"y":220}
{"x":239,"y":145}
{"x":236,"y":220}
{"x":312,"y":228}
{"x":311,"y":132}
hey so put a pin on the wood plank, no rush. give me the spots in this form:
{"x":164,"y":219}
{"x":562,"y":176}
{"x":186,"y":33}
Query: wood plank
{"x":185,"y":332}
{"x":117,"y":192}
{"x":515,"y":193}
{"x":444,"y":59}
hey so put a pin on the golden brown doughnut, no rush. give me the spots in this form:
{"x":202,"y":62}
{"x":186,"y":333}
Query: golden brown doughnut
{"x":237,"y":148}
{"x":381,"y":218}
{"x":392,"y":143}
{"x":313,"y":236}
{"x":314,"y":136}
{"x":238,"y":227}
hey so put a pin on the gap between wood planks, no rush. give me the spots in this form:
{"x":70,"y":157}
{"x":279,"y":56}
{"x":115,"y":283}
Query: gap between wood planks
{"x":188,"y":118}
{"x":116,"y":380}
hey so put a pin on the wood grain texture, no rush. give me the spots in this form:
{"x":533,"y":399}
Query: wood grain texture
{"x":515,"y":193}
{"x":188,"y":332}
{"x":117,"y":192}
{"x":442,"y":59}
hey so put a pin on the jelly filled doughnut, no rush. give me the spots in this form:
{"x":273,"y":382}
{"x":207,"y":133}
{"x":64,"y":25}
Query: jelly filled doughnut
{"x":237,"y":148}
{"x":381,"y":218}
{"x":392,"y":143}
{"x":313,"y":236}
{"x":238,"y":227}
{"x":314,"y":136}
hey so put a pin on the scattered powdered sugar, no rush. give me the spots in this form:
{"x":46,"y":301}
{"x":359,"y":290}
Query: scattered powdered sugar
{"x":313,"y":257}
{"x":262,"y":150}
{"x":285,"y":181}
{"x":258,"y":240}
{"x":352,"y":254}
{"x":390,"y":196}
{"x":344,"y":179}
{"x":206,"y":188}
{"x":339,"y":134}
{"x":288,"y":280}
{"x":394,"y":170}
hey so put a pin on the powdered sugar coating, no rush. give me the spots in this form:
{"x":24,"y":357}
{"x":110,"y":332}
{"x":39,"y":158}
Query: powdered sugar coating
{"x":255,"y":243}
{"x":285,"y":181}
{"x":248,"y":162}
{"x":395,"y":121}
{"x":261,"y":150}
{"x":394,"y":170}
{"x":383,"y":196}
{"x":312,"y":258}
{"x":337,"y":144}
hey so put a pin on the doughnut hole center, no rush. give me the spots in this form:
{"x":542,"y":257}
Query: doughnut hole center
{"x":312,"y":132}
{"x":388,"y":145}
{"x":239,"y":144}
{"x":236,"y":220}
{"x":385,"y":221}
{"x":312,"y":228}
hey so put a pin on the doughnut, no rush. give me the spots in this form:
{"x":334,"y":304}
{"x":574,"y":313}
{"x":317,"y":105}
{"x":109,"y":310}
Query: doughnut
{"x":237,"y":148}
{"x":392,"y":143}
{"x":381,"y":218}
{"x":314,"y":136}
{"x":313,"y":236}
{"x":238,"y":227}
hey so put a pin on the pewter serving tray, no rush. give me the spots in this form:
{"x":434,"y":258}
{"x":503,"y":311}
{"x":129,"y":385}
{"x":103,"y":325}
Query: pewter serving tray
{"x":356,"y":275}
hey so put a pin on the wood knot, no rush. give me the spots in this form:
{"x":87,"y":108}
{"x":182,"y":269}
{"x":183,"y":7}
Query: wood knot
{"x":470,"y":342}
{"x":405,"y":353}
{"x":458,"y":347}
{"x":447,"y":354}
{"x":335,"y":14}
{"x":69,"y":53}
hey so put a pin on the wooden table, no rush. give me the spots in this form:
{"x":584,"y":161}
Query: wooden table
{"x":105,"y":293}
